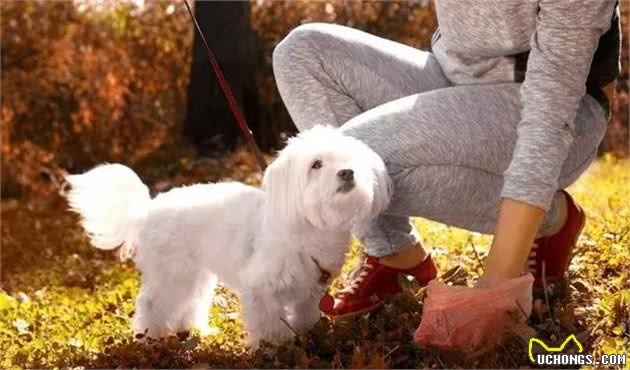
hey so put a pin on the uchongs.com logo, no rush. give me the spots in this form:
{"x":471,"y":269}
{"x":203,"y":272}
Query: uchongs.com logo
{"x":554,"y":356}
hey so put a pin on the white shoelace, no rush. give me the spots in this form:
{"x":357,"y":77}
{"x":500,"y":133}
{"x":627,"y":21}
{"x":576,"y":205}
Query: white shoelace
{"x":357,"y":278}
{"x":531,"y":259}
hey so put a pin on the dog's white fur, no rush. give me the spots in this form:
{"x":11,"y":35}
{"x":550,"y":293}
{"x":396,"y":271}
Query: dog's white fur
{"x":261,"y":243}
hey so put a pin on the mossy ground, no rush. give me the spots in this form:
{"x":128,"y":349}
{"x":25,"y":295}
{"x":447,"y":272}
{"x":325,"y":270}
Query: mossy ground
{"x":64,"y":304}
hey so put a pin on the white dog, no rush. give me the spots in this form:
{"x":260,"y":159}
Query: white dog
{"x":277,"y":247}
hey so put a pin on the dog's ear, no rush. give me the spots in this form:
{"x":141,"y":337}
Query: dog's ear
{"x":281,"y":184}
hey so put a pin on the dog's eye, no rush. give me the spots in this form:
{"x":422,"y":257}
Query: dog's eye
{"x":317,"y":164}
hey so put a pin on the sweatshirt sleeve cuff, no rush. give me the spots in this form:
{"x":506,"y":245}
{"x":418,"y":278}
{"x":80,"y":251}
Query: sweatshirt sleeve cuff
{"x":537,"y":195}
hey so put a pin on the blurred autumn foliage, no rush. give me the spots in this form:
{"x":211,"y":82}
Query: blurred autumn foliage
{"x":87,"y":82}
{"x":82,"y":84}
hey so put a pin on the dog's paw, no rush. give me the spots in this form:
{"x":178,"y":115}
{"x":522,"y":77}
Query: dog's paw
{"x":304,"y":325}
{"x":304,"y":321}
{"x":253,"y":342}
{"x":272,"y":334}
{"x":304,"y":315}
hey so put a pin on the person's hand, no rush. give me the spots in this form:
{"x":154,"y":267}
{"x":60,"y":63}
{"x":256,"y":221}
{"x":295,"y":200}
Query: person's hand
{"x":471,"y":319}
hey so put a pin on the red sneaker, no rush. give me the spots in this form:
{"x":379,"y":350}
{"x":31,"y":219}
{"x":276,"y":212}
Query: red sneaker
{"x":372,"y":285}
{"x":552,"y":254}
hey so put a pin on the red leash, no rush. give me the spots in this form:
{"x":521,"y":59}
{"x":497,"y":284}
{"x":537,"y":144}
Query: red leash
{"x":240,"y":119}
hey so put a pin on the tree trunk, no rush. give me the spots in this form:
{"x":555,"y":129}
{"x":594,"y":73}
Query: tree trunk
{"x":227,"y":28}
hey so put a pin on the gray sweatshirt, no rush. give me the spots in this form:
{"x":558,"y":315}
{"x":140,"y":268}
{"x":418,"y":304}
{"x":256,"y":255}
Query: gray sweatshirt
{"x":476,"y":44}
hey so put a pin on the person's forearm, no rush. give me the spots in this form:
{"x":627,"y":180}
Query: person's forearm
{"x":515,"y":231}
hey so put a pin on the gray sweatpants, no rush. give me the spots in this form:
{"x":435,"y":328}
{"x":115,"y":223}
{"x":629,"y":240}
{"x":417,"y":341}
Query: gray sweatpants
{"x":446,"y":147}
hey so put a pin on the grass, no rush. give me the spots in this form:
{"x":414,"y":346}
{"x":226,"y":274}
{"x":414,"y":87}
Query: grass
{"x":64,"y":304}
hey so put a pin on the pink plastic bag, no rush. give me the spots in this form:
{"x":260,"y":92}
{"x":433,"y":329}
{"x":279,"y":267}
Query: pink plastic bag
{"x":469,"y":319}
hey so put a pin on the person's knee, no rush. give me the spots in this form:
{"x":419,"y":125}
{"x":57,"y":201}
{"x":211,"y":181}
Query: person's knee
{"x":299,"y":44}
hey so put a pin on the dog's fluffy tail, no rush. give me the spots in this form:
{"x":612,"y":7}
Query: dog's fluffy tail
{"x":113,"y":203}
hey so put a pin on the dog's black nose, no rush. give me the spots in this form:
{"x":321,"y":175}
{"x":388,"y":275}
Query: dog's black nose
{"x":346,"y":174}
